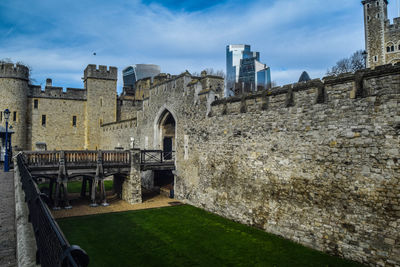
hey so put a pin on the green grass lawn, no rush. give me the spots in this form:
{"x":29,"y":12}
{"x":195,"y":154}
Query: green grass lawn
{"x":75,"y":186}
{"x":184,"y":236}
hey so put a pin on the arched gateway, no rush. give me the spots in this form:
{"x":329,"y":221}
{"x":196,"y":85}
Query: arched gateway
{"x":161,"y":178}
{"x":165,"y":130}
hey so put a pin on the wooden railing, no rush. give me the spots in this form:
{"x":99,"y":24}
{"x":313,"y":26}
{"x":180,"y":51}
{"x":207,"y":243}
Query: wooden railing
{"x":42,"y":158}
{"x":116,"y":158}
{"x":77,"y":158}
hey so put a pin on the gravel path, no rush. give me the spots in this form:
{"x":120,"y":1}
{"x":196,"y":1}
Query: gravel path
{"x":80,"y":207}
{"x":7,"y":220}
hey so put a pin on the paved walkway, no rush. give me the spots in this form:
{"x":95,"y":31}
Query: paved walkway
{"x":7,"y":220}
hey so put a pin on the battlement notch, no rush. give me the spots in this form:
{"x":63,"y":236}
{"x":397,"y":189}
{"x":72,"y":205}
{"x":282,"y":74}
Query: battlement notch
{"x":102,"y":72}
{"x":16,"y":71}
{"x":57,"y":93}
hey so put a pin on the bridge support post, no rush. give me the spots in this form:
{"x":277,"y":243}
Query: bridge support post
{"x":99,"y":180}
{"x":83,"y":189}
{"x":132,"y":186}
{"x":62,"y":184}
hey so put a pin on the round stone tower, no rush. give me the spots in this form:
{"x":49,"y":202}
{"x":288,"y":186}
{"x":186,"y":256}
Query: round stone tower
{"x":14,"y":81}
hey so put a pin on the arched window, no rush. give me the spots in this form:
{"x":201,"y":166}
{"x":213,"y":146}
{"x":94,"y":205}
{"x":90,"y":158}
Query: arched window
{"x":392,"y":48}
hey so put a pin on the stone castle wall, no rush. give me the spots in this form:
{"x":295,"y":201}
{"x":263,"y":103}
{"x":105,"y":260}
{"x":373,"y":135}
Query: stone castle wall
{"x":101,"y":104}
{"x":126,"y":109}
{"x":93,"y":106}
{"x":13,"y":96}
{"x":310,"y":162}
{"x":117,"y":134}
{"x":380,"y":34}
{"x":315,"y":162}
{"x":52,"y":92}
{"x":58,"y":133}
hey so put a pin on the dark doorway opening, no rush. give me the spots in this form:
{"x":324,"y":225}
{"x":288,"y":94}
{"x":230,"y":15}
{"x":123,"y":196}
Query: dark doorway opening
{"x":165,"y":181}
{"x":167,"y":146}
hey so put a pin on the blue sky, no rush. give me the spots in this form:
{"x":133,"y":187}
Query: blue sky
{"x":58,"y":38}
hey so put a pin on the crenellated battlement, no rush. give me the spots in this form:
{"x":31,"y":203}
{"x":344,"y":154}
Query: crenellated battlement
{"x":16,"y":71}
{"x":101,"y":72}
{"x":35,"y":91}
{"x":305,"y":94}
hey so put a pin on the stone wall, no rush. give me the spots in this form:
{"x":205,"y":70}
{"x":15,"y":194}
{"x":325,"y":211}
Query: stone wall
{"x":315,"y":162}
{"x":58,"y":133}
{"x":117,"y":134}
{"x":126,"y":109}
{"x":35,"y":91}
{"x":312,"y":162}
{"x":13,"y":96}
{"x":380,"y":34}
{"x":101,"y":105}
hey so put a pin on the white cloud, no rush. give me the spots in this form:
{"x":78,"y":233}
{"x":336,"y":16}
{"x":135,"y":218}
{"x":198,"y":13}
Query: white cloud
{"x":292,"y":36}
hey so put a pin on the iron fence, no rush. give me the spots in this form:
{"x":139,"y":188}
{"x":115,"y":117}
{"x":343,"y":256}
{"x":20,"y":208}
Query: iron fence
{"x":53,"y":248}
{"x":156,"y":156}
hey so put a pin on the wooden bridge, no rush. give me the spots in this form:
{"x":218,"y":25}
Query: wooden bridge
{"x":93,"y":166}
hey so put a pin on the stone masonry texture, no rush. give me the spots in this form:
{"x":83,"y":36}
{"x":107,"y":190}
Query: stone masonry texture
{"x":92,"y":106}
{"x":315,"y":162}
{"x":380,"y":34}
{"x":7,"y":220}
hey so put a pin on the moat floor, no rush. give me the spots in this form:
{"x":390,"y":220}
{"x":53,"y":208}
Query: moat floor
{"x":80,"y":207}
{"x":184,"y":236}
{"x":7,"y":220}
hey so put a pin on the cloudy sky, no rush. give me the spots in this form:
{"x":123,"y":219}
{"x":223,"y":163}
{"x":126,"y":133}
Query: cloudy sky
{"x":57,"y":38}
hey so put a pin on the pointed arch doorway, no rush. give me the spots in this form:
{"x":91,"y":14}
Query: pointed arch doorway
{"x":162,"y":179}
{"x":165,"y":133}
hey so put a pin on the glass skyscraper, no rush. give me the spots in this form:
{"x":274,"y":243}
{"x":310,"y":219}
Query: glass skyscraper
{"x":134,"y":73}
{"x":244,"y":70}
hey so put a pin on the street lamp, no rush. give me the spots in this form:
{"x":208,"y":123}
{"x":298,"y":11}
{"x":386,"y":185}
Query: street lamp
{"x":6,"y":163}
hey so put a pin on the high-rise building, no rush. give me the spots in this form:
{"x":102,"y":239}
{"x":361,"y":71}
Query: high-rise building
{"x":253,"y":75}
{"x":244,"y":69}
{"x":132,"y":74}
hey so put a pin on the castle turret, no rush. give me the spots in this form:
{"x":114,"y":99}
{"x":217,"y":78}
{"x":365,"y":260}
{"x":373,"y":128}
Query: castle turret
{"x":14,"y":81}
{"x":101,"y":86}
{"x":375,"y":16}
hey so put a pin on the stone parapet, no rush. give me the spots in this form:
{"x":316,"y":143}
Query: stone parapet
{"x":369,"y":82}
{"x":26,"y":242}
{"x":36,"y":91}
{"x":9,"y":70}
{"x":102,"y":72}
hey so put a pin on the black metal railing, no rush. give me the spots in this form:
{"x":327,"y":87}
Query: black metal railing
{"x":156,"y":156}
{"x":53,"y":248}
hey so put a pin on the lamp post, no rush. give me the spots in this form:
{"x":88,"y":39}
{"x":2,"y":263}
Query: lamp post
{"x":6,"y":163}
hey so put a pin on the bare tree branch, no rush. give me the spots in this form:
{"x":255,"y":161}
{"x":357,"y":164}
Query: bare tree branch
{"x":352,"y":64}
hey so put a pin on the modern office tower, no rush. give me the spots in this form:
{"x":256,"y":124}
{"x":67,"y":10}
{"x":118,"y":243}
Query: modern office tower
{"x":244,"y":69}
{"x":134,"y":73}
{"x":253,"y":75}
